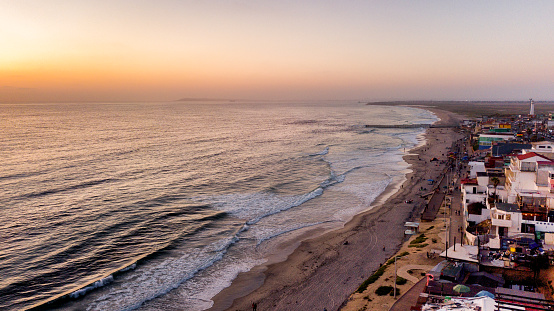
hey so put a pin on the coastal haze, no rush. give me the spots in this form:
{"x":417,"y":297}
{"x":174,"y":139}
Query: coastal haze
{"x":369,"y":50}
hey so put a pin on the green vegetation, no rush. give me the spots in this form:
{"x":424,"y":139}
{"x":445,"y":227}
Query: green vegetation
{"x":417,"y":242}
{"x":418,"y":245}
{"x":391,"y":261}
{"x":420,"y":239}
{"x":400,"y":280}
{"x":434,"y":240}
{"x":397,"y":292}
{"x":375,"y":276}
{"x":383,"y":290}
{"x":430,"y":228}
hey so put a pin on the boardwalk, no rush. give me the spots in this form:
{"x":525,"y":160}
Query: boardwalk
{"x":430,"y":212}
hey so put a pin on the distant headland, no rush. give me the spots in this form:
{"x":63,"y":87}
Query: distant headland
{"x":195,"y":99}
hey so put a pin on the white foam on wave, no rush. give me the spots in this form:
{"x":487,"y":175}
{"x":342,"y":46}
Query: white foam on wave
{"x":274,"y":234}
{"x":131,"y":267}
{"x":158,"y":278}
{"x":97,"y":284}
{"x":323,"y":152}
{"x":270,"y":215}
{"x":365,"y":193}
{"x":216,"y":266}
{"x":196,"y":293}
{"x":254,"y":206}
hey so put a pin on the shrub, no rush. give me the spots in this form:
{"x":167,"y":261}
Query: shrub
{"x":374,"y":277}
{"x":383,"y":290}
{"x":400,"y":280}
{"x":434,"y":240}
{"x":420,"y":239}
{"x":430,"y":228}
{"x":391,"y":261}
{"x":418,"y":245}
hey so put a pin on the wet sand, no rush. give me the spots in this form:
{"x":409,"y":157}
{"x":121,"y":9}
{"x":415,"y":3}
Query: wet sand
{"x":322,"y":272}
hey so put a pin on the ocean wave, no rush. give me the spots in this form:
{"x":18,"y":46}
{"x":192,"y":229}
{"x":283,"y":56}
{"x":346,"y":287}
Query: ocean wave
{"x":323,"y":152}
{"x":69,"y":188}
{"x":144,"y":283}
{"x":279,"y":233}
{"x":181,"y":254}
{"x":160,"y":278}
{"x":97,"y":284}
{"x":302,"y":199}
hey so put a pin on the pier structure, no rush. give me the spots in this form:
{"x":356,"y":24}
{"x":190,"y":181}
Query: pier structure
{"x":407,"y":126}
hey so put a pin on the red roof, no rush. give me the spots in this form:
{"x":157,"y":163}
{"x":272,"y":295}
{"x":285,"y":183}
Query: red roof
{"x":469,"y":181}
{"x":530,"y":155}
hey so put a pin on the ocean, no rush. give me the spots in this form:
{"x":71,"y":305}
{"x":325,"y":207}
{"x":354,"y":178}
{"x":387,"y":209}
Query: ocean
{"x":150,"y":206}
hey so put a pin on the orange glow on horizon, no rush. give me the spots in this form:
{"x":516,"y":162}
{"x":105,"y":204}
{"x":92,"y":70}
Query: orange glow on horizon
{"x":273,"y":50}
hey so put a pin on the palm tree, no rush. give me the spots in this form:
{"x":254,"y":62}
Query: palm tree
{"x":495,"y":182}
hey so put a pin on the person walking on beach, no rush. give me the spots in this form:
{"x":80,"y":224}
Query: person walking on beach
{"x":254,"y":306}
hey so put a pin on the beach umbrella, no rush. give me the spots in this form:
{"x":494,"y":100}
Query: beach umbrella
{"x":484,"y":293}
{"x":430,"y":180}
{"x":460,"y":288}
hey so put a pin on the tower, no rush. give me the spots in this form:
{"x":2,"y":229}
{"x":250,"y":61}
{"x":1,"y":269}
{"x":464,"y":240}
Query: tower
{"x":532,"y":109}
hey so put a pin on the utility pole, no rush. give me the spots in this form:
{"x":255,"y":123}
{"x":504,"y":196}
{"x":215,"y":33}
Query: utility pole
{"x":395,"y":277}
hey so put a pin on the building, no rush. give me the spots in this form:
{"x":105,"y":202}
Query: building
{"x":521,"y":176}
{"x":487,"y":140}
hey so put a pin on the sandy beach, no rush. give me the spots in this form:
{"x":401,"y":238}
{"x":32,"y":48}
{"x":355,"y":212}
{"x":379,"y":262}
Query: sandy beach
{"x":323,"y":272}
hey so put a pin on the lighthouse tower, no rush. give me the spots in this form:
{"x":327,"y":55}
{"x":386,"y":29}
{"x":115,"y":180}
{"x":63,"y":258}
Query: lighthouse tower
{"x":532,"y":109}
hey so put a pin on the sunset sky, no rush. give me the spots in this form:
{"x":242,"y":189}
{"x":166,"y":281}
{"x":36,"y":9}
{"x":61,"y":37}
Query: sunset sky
{"x":135,"y":50}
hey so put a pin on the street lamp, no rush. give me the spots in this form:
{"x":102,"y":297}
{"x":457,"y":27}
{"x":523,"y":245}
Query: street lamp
{"x":395,"y":277}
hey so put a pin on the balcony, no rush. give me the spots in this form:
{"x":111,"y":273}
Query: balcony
{"x":501,"y":223}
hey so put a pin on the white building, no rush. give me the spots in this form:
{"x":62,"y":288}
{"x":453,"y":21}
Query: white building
{"x":473,"y":196}
{"x":543,"y":148}
{"x":530,"y":174}
{"x":506,"y":219}
{"x":476,"y":167}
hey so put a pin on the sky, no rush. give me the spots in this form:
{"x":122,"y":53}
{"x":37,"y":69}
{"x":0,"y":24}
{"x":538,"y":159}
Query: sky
{"x":119,"y":50}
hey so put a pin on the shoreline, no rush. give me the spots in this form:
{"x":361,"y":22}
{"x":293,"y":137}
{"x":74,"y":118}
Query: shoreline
{"x":322,"y":268}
